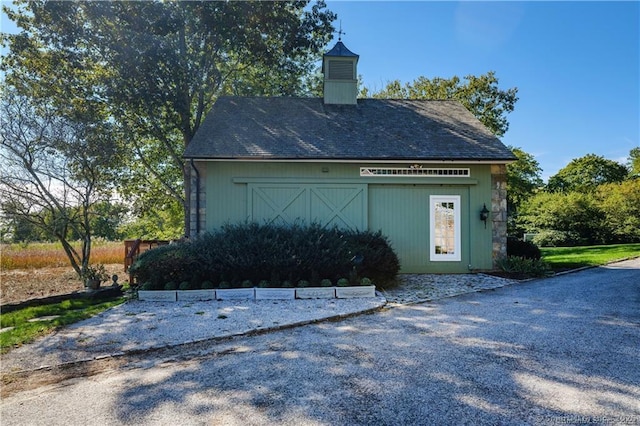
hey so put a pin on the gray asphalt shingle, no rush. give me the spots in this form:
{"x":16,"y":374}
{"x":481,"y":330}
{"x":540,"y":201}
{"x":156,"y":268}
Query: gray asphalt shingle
{"x":306,"y":128}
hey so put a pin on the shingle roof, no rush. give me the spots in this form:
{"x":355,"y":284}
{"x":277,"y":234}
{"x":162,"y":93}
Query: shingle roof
{"x":306,"y":128}
{"x":340,"y":50}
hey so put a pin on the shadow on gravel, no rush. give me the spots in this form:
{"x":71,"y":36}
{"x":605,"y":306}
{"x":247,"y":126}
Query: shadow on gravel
{"x":553,"y":350}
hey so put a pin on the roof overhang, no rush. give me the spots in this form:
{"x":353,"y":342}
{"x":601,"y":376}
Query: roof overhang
{"x":356,"y":160}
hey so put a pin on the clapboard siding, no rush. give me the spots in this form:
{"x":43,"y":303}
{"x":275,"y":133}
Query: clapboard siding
{"x":336,"y":194}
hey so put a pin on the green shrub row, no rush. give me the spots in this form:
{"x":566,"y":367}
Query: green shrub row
{"x":270,"y":256}
{"x":552,"y":238}
{"x":208,"y":285}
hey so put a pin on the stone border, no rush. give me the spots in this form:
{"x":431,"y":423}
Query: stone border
{"x":256,"y":293}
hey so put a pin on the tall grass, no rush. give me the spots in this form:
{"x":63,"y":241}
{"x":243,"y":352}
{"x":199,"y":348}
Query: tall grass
{"x":45,"y":255}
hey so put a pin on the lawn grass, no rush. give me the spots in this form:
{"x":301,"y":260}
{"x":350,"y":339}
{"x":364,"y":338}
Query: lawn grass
{"x":43,"y":255}
{"x":563,"y":258}
{"x":69,"y":311}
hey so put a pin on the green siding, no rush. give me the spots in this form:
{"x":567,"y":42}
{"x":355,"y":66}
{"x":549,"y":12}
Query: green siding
{"x":402,"y":213}
{"x":399,"y":207}
{"x":342,"y":205}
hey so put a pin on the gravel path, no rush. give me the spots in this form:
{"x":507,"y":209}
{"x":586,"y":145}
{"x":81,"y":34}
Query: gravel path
{"x":139,"y":326}
{"x":563,"y":350}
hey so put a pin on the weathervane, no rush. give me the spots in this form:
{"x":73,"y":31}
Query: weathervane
{"x":340,"y":32}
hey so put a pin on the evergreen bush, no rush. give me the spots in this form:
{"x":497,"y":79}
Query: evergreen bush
{"x":343,"y":282}
{"x":379,"y":262}
{"x":173,"y":262}
{"x":249,"y":252}
{"x":207,"y":285}
{"x":520,"y":248}
{"x":146,"y":286}
{"x":325,"y":283}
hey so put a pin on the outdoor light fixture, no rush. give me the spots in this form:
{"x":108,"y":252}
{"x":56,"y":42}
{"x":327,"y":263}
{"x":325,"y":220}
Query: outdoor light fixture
{"x":484,"y":215}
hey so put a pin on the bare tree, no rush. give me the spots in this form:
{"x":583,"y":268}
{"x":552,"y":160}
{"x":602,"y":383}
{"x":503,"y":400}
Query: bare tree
{"x":54,"y":170}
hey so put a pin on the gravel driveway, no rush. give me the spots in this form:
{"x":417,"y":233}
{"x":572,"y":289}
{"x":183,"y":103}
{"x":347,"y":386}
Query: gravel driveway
{"x":563,"y":350}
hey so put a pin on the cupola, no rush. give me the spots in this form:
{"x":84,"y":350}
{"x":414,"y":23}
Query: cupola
{"x":339,"y":66}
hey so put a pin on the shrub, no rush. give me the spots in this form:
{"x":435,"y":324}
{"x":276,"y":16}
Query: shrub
{"x":147,"y":286}
{"x":304,"y":283}
{"x":263,"y":284}
{"x":251,"y":252}
{"x":343,"y":282}
{"x":524,"y":267}
{"x":207,"y":285}
{"x":552,"y":238}
{"x":365,"y":281}
{"x":575,"y":213}
{"x":185,"y":285}
{"x":173,"y":262}
{"x":225,"y":284}
{"x":325,"y":283}
{"x":519,"y":248}
{"x":379,"y":262}
{"x":170,"y":286}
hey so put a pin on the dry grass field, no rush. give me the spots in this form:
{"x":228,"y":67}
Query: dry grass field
{"x":42,"y":269}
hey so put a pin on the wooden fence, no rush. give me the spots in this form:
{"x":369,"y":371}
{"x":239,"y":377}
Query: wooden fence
{"x":133,"y":248}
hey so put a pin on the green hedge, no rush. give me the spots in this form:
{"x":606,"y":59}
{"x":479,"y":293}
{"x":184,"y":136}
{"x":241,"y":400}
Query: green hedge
{"x":271,"y":255}
{"x":164,"y":264}
{"x":525,"y":249}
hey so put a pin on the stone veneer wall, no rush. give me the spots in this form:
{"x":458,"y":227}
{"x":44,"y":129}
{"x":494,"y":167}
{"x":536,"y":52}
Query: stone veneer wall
{"x":194,"y":214}
{"x":499,"y":211}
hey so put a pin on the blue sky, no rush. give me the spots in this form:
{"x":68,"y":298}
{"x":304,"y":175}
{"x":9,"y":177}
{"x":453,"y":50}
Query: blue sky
{"x":575,"y":64}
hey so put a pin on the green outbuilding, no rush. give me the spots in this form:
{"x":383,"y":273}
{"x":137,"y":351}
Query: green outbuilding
{"x":427,"y":174}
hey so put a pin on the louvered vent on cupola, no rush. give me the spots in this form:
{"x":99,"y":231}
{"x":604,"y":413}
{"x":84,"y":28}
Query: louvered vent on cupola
{"x":340,"y":70}
{"x":339,"y":66}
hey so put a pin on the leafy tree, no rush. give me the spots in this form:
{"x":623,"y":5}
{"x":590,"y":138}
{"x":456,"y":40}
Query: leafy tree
{"x":586,"y":173}
{"x":479,"y":94}
{"x":55,"y":170}
{"x":163,"y":223}
{"x":160,"y":66}
{"x":523,"y":180}
{"x":16,"y":229}
{"x":620,"y":203}
{"x":573,"y":218}
{"x":634,"y":162}
{"x":107,"y":219}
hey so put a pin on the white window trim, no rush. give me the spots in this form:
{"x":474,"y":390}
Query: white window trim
{"x":456,"y":256}
{"x":415,"y":171}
